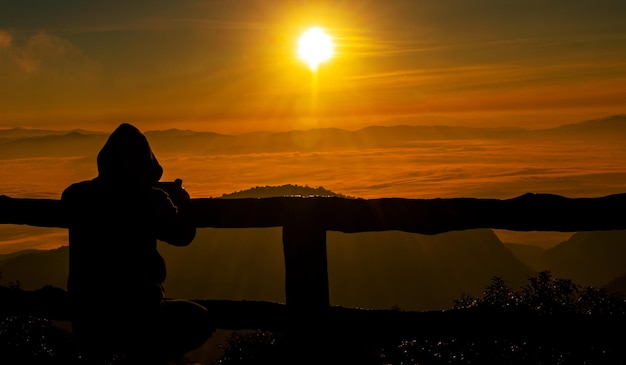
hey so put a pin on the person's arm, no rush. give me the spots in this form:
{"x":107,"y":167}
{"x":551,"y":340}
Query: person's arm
{"x":171,"y":223}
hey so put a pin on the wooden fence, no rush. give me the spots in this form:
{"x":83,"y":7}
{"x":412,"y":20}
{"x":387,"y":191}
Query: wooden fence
{"x":305,"y":221}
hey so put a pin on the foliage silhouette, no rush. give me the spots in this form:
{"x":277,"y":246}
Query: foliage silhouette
{"x":547,"y":296}
{"x":544,"y":296}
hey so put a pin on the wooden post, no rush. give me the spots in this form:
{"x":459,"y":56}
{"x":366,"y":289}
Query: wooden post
{"x":306,"y":266}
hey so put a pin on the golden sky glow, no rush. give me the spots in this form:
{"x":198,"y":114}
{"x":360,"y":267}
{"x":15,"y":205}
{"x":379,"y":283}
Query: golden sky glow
{"x":230,"y":66}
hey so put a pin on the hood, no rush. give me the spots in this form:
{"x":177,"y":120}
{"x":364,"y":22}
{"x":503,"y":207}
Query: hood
{"x":126,"y":157}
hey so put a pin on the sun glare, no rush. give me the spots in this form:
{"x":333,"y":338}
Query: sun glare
{"x":315,"y":47}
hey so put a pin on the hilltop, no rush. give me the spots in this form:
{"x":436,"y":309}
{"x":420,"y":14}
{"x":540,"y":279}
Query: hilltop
{"x":283,"y":190}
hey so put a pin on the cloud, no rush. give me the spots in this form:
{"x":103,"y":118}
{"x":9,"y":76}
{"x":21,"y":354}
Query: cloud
{"x":5,"y":39}
{"x":43,"y":70}
{"x":469,"y":168}
{"x":44,"y":55}
{"x":45,"y":52}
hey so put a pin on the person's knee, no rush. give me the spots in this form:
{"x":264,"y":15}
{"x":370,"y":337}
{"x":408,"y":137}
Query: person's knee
{"x":190,"y":322}
{"x":204,"y":323}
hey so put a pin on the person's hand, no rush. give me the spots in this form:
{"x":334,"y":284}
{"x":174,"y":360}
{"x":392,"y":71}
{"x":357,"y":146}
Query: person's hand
{"x":177,"y":193}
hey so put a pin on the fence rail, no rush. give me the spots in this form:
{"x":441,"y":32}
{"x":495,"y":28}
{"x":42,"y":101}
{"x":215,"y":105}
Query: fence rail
{"x":305,"y":221}
{"x":528,"y":212}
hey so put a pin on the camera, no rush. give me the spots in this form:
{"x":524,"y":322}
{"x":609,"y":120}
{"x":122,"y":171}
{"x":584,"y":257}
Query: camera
{"x":170,"y":187}
{"x":175,"y":190}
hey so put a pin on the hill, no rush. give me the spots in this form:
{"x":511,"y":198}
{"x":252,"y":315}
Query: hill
{"x":589,"y":258}
{"x":34,"y":269}
{"x":283,"y":190}
{"x":596,"y":258}
{"x":373,"y":270}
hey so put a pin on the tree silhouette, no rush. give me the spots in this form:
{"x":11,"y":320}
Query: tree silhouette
{"x":546,"y":296}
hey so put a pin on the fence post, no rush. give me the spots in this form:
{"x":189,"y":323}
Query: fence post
{"x":306,"y":265}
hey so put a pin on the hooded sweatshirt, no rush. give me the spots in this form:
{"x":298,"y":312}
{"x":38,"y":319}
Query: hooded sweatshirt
{"x":114,"y":222}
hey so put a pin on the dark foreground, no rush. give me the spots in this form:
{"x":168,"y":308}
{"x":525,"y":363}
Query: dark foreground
{"x":550,"y":321}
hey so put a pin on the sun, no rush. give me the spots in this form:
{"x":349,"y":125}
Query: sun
{"x":315,"y":47}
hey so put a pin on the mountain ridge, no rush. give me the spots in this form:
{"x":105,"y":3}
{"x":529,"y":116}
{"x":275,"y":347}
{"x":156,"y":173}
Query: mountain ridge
{"x":612,"y":121}
{"x":24,"y":143}
{"x":618,"y":120}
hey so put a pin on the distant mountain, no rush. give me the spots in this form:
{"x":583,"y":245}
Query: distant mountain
{"x":19,"y":142}
{"x":329,"y":139}
{"x":414,"y":271}
{"x":610,"y":126}
{"x":596,"y":258}
{"x":372,"y":270}
{"x":8,"y":256}
{"x":589,"y":258}
{"x":74,"y":143}
{"x":19,"y":132}
{"x":36,"y":268}
{"x":529,"y":254}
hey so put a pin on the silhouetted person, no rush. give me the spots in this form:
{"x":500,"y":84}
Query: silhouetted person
{"x":116,"y":274}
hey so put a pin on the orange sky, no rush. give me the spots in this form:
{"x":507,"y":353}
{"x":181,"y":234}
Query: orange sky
{"x":231,"y":67}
